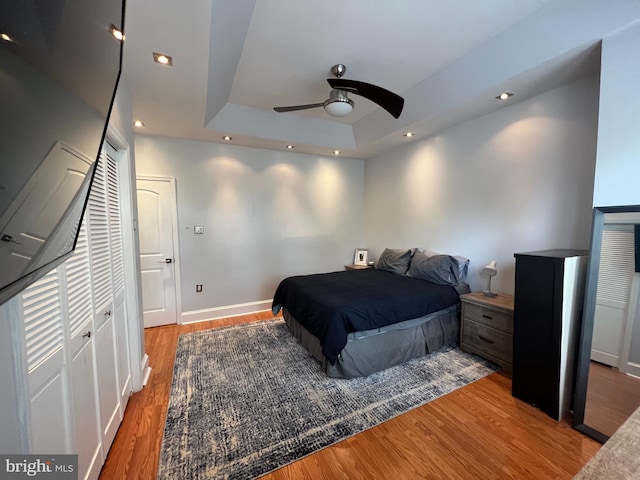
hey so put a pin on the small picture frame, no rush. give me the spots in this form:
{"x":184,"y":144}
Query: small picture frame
{"x":361,"y":256}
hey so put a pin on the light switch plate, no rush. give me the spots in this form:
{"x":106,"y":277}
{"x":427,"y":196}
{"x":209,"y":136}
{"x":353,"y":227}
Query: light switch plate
{"x":198,"y":229}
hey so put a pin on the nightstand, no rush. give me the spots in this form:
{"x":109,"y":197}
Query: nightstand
{"x":487,"y":328}
{"x":357,"y":267}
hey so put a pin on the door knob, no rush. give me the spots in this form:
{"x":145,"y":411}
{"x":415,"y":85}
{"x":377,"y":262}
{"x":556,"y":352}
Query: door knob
{"x":168,"y":260}
{"x":87,"y":335}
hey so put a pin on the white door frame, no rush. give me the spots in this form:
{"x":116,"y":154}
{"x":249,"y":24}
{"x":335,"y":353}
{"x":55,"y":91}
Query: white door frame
{"x":176,"y":238}
{"x":140,"y":369}
{"x":624,"y":365}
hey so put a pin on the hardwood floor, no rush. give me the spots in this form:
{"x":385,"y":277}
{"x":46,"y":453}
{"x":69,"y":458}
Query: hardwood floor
{"x":612,"y":397}
{"x":479,"y":431}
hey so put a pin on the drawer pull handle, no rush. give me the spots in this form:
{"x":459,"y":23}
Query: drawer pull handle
{"x":485,"y":339}
{"x":487,"y":316}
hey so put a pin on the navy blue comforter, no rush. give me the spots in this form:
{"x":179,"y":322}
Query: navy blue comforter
{"x":332,"y":305}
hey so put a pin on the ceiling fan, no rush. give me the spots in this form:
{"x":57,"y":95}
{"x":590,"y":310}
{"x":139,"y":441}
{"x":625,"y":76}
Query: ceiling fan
{"x":339,"y":104}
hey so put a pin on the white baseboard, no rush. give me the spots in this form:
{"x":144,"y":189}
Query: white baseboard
{"x":224,"y":312}
{"x":632,"y":369}
{"x":146,"y":370}
{"x":604,"y":357}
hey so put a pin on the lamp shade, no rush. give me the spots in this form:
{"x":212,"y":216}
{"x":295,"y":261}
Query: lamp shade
{"x":339,"y":108}
{"x":490,"y":269}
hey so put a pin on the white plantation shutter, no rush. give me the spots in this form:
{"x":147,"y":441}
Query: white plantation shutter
{"x":99,"y":238}
{"x":42,"y":319}
{"x":616,"y":265}
{"x":115,"y":226}
{"x":79,"y":283}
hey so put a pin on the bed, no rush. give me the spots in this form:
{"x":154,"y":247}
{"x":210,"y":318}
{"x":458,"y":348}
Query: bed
{"x":358,"y":322}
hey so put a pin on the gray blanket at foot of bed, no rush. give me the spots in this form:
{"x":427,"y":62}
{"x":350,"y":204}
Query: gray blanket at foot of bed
{"x":374,"y":350}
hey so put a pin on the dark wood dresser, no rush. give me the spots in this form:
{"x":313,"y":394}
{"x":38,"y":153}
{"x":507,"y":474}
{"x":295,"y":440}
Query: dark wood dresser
{"x":549,"y":295}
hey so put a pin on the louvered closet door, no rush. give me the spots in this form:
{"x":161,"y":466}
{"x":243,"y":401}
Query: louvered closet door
{"x":612,"y":298}
{"x":84,"y":387}
{"x":47,"y":376}
{"x":117,"y":262}
{"x":102,"y":270}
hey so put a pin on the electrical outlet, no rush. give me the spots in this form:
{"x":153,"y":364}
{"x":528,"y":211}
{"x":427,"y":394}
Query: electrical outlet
{"x":198,"y":288}
{"x":198,"y":229}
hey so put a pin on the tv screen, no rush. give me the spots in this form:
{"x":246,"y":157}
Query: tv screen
{"x":59,"y":69}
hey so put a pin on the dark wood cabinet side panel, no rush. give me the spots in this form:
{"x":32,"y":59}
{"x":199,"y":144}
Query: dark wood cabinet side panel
{"x":535,"y":354}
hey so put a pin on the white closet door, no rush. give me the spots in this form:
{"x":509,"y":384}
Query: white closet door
{"x":117,"y":262}
{"x":83,"y":368}
{"x":75,"y":366}
{"x":612,"y":298}
{"x":99,"y":240}
{"x":47,"y":375}
{"x":101,"y":271}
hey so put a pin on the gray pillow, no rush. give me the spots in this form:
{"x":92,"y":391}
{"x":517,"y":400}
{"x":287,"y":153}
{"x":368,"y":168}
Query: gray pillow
{"x":463,"y":263}
{"x":440,"y":269}
{"x":395,"y":261}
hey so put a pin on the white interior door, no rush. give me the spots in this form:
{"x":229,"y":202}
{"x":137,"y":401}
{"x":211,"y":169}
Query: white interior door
{"x":156,"y":227}
{"x":612,"y":298}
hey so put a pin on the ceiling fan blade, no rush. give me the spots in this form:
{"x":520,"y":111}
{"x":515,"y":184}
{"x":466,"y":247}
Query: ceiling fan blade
{"x":298,"y":107}
{"x":391,"y":102}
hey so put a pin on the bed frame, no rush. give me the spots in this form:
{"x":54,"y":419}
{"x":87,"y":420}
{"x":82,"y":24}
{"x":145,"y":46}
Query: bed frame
{"x":370,"y":351}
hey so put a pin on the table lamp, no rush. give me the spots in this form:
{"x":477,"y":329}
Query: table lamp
{"x":490,"y":270}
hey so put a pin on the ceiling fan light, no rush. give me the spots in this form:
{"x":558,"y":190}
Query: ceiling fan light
{"x":339,"y":108}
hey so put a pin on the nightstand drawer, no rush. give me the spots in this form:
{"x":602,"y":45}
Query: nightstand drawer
{"x":487,"y":316}
{"x":486,"y":339}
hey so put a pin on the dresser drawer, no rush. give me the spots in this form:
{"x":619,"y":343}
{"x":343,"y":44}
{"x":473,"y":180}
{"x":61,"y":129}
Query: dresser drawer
{"x":488,"y":340}
{"x":499,"y":320}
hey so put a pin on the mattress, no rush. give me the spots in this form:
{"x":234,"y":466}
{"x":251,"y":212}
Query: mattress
{"x":332,"y":306}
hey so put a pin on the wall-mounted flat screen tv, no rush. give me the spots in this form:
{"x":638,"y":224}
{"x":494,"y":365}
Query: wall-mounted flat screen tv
{"x":59,"y":69}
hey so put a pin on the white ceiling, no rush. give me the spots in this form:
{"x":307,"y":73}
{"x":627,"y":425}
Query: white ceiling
{"x":234,"y":60}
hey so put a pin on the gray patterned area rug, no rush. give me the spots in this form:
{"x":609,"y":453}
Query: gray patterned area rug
{"x":249,"y":399}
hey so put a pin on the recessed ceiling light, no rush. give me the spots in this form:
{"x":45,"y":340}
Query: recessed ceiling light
{"x":290,"y":147}
{"x":6,"y":37}
{"x":138,"y":123}
{"x":337,"y":152}
{"x":162,"y":59}
{"x":227,"y":138}
{"x":116,"y":32}
{"x":504,"y":95}
{"x":408,"y":134}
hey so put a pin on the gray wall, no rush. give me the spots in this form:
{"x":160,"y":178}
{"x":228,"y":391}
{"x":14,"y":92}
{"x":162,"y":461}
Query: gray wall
{"x":517,"y":179}
{"x":617,"y":178}
{"x":266,"y":215}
